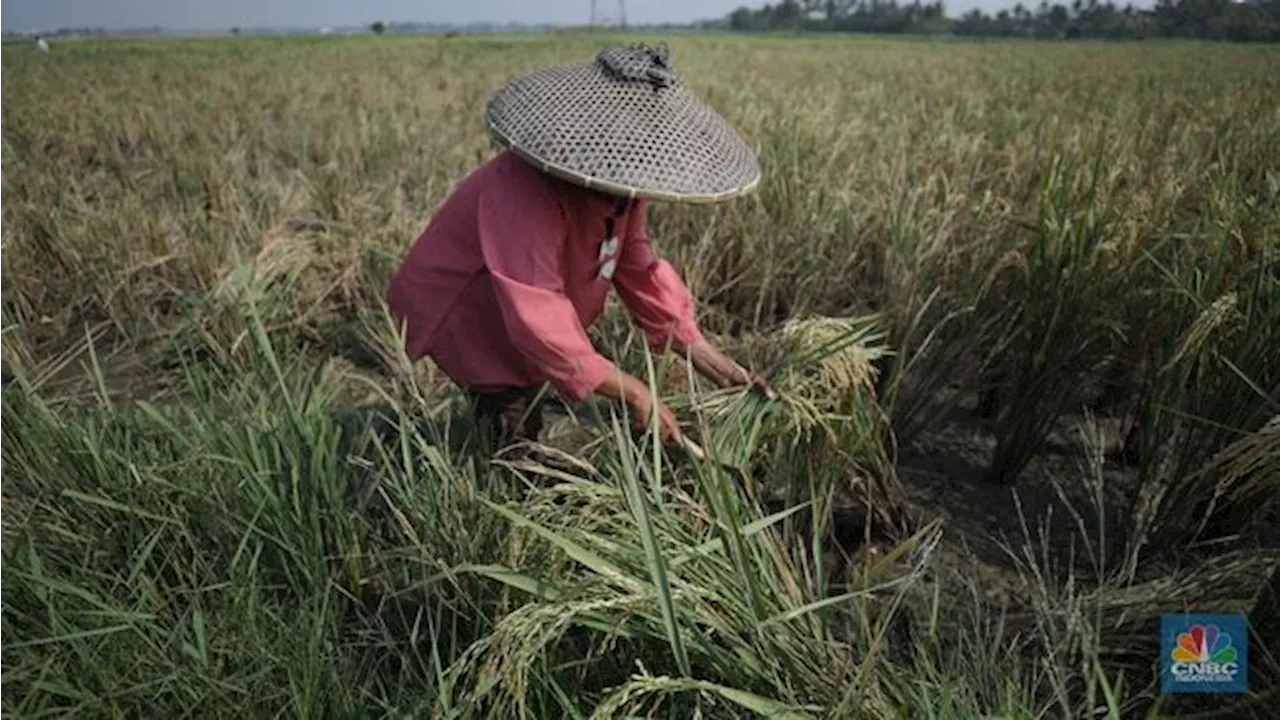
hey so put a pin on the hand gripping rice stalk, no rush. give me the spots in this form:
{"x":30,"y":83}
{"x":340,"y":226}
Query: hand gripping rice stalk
{"x":825,"y":425}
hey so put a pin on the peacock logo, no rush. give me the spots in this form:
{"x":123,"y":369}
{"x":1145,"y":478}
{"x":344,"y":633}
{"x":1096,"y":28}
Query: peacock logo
{"x":1204,"y":644}
{"x":1204,"y":654}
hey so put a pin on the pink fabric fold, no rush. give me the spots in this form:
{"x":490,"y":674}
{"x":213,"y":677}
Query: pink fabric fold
{"x":653,"y":292}
{"x":502,"y":285}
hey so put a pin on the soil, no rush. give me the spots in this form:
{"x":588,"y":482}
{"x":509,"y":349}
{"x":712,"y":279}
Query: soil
{"x":944,"y":473}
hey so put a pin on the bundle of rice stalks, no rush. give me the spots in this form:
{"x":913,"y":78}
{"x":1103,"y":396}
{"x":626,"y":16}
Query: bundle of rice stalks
{"x":823,"y":370}
{"x":823,"y":438}
{"x":828,"y":358}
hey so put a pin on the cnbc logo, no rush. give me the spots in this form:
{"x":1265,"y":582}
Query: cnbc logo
{"x":1204,"y":653}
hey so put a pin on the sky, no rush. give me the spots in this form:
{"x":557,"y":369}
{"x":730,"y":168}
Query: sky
{"x":34,"y":15}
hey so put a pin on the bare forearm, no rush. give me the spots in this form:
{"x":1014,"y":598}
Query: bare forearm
{"x":643,"y":405}
{"x":721,"y":369}
{"x":713,"y":364}
{"x":623,"y":386}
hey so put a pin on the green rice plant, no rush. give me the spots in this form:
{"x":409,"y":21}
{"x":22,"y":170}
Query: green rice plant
{"x":736,"y":609}
{"x":1058,"y":304}
{"x":133,"y":587}
{"x":223,"y":553}
{"x":936,"y":360}
{"x":202,"y":523}
{"x":1203,"y":437}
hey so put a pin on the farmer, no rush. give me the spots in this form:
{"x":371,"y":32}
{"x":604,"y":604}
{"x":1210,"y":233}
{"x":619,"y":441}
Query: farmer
{"x":502,"y":285}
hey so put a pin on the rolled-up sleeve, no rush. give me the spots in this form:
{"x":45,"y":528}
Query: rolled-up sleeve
{"x":522,"y":234}
{"x":652,"y":291}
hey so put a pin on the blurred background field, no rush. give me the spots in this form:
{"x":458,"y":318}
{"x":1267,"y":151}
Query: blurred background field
{"x":1023,"y":300}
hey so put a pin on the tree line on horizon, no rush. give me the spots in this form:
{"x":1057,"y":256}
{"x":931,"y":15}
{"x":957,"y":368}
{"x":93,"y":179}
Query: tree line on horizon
{"x":1230,"y":20}
{"x":1248,"y":21}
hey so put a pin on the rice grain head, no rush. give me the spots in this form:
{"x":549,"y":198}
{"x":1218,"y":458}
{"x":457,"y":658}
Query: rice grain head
{"x":829,"y":357}
{"x":1216,"y":325}
{"x":823,"y":369}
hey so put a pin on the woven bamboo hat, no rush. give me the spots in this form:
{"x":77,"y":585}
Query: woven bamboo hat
{"x":623,"y":124}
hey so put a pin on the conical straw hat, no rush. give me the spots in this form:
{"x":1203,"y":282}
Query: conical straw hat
{"x":623,"y":124}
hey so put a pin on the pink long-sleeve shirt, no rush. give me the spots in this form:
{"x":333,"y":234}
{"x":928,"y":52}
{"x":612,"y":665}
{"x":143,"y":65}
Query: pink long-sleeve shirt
{"x":516,"y":265}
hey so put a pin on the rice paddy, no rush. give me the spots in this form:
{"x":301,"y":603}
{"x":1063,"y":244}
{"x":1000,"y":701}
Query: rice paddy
{"x":1021,"y":301}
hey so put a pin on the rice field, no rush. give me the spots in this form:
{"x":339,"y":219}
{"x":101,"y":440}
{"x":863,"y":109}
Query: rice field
{"x":1021,"y":300}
